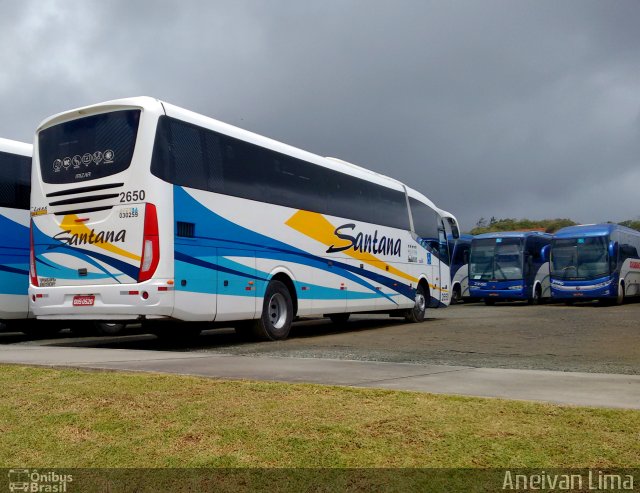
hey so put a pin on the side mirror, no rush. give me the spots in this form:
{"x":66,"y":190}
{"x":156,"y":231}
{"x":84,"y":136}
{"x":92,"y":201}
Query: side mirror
{"x":544,"y":253}
{"x":465,"y":257}
{"x":614,"y":250}
{"x":455,"y":230}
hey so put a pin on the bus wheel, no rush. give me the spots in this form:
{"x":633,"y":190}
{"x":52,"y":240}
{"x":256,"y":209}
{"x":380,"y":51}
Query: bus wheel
{"x":536,"y":297}
{"x":620,"y":297}
{"x":416,"y":314}
{"x":277,"y":313}
{"x":108,"y":328}
{"x":339,"y":318}
{"x":456,"y":296}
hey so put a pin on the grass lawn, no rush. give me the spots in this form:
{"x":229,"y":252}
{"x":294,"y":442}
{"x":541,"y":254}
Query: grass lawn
{"x":72,"y":418}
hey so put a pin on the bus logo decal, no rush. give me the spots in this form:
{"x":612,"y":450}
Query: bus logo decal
{"x":366,"y":243}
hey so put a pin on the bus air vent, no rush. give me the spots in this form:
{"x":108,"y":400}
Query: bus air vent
{"x":80,"y":200}
{"x":186,"y":230}
{"x":92,"y":188}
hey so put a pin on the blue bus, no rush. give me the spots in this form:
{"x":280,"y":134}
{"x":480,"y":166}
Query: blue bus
{"x":15,"y":180}
{"x":595,"y":262}
{"x":459,"y":248}
{"x":510,"y":266}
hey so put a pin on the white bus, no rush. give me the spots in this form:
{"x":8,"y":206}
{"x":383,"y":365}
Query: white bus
{"x":15,"y":176}
{"x":143,"y":211}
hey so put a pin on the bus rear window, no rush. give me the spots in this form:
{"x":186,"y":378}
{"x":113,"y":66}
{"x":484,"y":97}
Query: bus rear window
{"x":88,"y":148}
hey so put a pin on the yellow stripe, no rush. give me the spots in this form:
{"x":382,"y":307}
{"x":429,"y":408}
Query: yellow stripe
{"x":316,"y":226}
{"x":75,"y":228}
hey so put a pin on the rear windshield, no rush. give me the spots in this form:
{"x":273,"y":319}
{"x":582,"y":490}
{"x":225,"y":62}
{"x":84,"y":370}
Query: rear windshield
{"x":88,"y":148}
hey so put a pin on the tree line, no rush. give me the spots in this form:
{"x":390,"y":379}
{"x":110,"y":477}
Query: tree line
{"x":547,"y":225}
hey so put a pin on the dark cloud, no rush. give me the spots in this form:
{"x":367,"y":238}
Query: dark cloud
{"x":492,"y":108}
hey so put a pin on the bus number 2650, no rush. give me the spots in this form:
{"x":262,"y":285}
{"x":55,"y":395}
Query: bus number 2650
{"x":132,"y":196}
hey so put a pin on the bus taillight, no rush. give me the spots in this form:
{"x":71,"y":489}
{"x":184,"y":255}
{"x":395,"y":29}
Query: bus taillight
{"x":150,"y":244}
{"x":32,"y":258}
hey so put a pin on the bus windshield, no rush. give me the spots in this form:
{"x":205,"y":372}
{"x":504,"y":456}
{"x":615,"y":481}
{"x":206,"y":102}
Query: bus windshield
{"x":88,"y":148}
{"x":580,"y":258}
{"x":496,"y":259}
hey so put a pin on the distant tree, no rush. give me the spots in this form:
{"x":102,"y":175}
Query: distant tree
{"x":482,"y":223}
{"x":509,"y":224}
{"x":631,"y":223}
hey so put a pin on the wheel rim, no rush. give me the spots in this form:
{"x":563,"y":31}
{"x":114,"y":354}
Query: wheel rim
{"x":277,"y":311}
{"x":421,"y":303}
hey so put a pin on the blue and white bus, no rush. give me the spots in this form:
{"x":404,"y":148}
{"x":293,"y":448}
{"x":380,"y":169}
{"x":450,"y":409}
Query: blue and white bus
{"x":144,"y":211}
{"x":15,"y":177}
{"x":598,"y":261}
{"x":510,"y":266}
{"x":460,"y":249}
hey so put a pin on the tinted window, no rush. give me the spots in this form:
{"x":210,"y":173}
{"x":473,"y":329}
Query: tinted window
{"x":88,"y":148}
{"x":195,"y":157}
{"x":425,"y":220}
{"x":15,"y":179}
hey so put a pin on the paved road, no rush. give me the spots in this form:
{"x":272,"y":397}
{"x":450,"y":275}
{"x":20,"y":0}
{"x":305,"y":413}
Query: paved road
{"x":587,"y":389}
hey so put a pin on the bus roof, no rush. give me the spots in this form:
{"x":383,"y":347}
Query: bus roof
{"x":592,"y":230}
{"x":511,"y":234}
{"x":15,"y":147}
{"x":233,"y":131}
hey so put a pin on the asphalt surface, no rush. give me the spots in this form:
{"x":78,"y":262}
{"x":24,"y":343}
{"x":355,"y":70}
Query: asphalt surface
{"x":583,"y":354}
{"x":581,"y":338}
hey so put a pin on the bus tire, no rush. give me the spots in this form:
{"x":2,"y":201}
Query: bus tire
{"x":108,"y":328}
{"x":277,"y":313}
{"x":339,"y":318}
{"x":536,"y":296}
{"x":621,"y":293}
{"x":456,"y":295}
{"x":416,"y":314}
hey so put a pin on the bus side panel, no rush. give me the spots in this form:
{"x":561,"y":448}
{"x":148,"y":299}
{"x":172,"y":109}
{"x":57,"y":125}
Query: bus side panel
{"x":238,"y":284}
{"x":195,"y":282}
{"x":630,"y":273}
{"x":302,"y":255}
{"x":543,"y":277}
{"x":14,"y":263}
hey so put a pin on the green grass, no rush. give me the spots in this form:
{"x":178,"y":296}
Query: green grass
{"x":72,"y":418}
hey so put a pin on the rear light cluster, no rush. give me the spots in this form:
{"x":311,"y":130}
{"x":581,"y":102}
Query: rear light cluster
{"x":150,"y":244}
{"x":32,"y":259}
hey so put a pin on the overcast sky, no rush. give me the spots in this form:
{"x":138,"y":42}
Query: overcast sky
{"x":490,"y":108}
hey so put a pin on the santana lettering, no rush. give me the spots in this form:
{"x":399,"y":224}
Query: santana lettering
{"x":366,"y":243}
{"x":91,"y":238}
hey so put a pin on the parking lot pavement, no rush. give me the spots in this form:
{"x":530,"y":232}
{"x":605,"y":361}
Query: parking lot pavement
{"x":581,"y":354}
{"x":581,"y":338}
{"x":585,"y":389}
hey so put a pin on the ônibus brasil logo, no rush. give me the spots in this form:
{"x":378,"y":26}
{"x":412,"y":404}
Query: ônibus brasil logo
{"x":28,"y":480}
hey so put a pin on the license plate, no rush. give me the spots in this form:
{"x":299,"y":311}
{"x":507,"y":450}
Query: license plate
{"x":84,"y":300}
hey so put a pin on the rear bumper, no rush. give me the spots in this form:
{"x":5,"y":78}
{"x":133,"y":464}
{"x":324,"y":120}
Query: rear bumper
{"x":112,"y":302}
